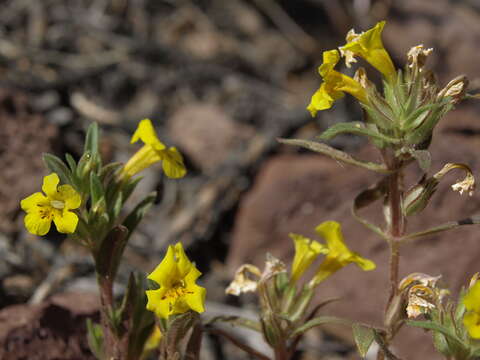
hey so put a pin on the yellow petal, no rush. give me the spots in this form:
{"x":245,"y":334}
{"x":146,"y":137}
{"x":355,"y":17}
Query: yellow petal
{"x":330,"y":59}
{"x":69,"y":196}
{"x":142,"y":159}
{"x":328,"y":267}
{"x":31,"y":202}
{"x":332,"y":233}
{"x":471,"y":320}
{"x":472,"y":299}
{"x":183,"y":263}
{"x":65,"y":221}
{"x":334,"y":85}
{"x":166,"y":272}
{"x":195,"y":298}
{"x":323,"y":99}
{"x":173,"y":163}
{"x":157,"y":303}
{"x":369,"y":46}
{"x":364,"y":264}
{"x":36,"y":225}
{"x":353,"y":87}
{"x":339,"y":255}
{"x":152,"y":342}
{"x":192,"y":275}
{"x":306,"y":251}
{"x":50,"y":183}
{"x":146,"y":132}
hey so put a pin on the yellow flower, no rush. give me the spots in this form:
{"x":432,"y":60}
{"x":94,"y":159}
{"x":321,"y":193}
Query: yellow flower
{"x":334,"y":86}
{"x":369,"y":46}
{"x":41,"y":209}
{"x":152,"y":342}
{"x":306,"y":251}
{"x":471,"y":320}
{"x":338,"y":254}
{"x":153,"y":151}
{"x":178,"y":292}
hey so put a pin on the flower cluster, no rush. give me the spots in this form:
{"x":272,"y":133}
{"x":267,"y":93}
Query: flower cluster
{"x":404,"y":114}
{"x":367,"y":45}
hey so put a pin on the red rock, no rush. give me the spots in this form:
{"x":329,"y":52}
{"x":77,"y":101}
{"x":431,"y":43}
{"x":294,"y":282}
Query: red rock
{"x":206,"y":134}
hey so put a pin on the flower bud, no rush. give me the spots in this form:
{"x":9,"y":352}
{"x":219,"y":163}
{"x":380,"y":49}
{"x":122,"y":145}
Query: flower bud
{"x":456,"y":89}
{"x":416,"y":199}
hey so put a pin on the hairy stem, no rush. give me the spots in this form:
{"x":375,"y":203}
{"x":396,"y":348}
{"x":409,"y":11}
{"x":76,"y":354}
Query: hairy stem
{"x":115,"y":347}
{"x":281,"y":353}
{"x":395,"y":230}
{"x":106,"y":305}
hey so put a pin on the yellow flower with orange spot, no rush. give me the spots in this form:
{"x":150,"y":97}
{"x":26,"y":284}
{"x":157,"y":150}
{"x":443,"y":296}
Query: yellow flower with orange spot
{"x":178,"y":293}
{"x":153,"y":151}
{"x":54,"y":205}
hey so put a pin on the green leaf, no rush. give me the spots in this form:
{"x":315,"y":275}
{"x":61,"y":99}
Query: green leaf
{"x":441,"y":344}
{"x":143,"y":320}
{"x":380,"y":120}
{"x":425,"y":129}
{"x":178,"y":328}
{"x":85,"y":159}
{"x":95,"y":338}
{"x":317,"y":321}
{"x":416,"y":118}
{"x":443,"y":227}
{"x":71,"y":162}
{"x":96,"y":190}
{"x":476,"y":353}
{"x":110,"y":252}
{"x":117,"y":205}
{"x":423,"y":157}
{"x":192,"y":351}
{"x":136,"y":215}
{"x":109,"y":169}
{"x":364,"y":337}
{"x":460,"y":309}
{"x":335,"y":154}
{"x":128,"y":189}
{"x":54,"y":164}
{"x":429,"y":325}
{"x":357,"y":128}
{"x":91,"y":139}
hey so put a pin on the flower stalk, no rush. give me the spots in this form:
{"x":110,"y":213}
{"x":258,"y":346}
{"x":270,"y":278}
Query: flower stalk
{"x":399,"y":122}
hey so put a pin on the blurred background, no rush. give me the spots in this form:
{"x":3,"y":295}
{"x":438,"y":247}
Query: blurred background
{"x":221,"y":80}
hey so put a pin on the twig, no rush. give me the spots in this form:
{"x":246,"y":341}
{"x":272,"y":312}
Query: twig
{"x":288,"y":27}
{"x":237,"y":343}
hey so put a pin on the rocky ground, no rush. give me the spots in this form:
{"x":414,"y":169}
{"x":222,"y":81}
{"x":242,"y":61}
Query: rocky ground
{"x":221,"y":80}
